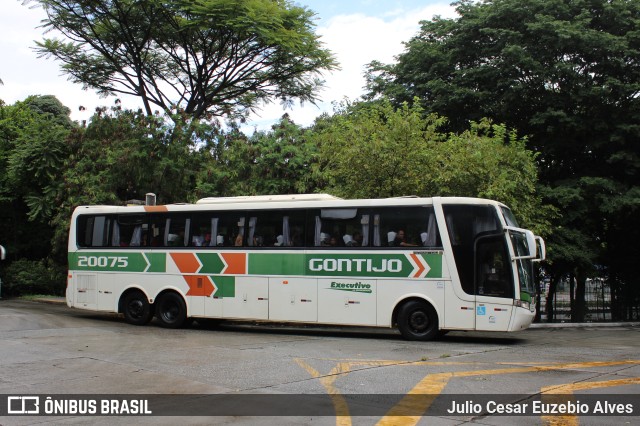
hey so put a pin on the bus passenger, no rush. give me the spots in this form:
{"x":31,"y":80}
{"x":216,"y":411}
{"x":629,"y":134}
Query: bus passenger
{"x":400,"y":240}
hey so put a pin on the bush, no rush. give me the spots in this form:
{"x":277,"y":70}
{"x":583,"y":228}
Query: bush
{"x":22,"y":277}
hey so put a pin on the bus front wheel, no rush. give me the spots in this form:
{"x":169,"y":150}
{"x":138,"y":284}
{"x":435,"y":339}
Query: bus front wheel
{"x":417,"y":320}
{"x":136,"y":308}
{"x":171,"y":310}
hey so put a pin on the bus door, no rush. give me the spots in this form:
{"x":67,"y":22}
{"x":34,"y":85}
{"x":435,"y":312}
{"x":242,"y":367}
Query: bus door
{"x":493,"y":282}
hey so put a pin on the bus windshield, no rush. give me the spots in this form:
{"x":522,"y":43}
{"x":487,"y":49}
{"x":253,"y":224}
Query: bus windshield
{"x":509,"y":218}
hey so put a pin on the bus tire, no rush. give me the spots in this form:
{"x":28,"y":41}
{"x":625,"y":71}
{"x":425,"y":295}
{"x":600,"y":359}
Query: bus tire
{"x":171,"y":310}
{"x":417,"y":320}
{"x":136,"y":308}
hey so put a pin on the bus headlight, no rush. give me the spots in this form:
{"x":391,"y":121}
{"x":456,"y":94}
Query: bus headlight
{"x":524,"y":304}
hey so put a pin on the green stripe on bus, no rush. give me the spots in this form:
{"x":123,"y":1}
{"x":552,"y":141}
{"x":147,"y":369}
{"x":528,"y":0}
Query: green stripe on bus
{"x":395,"y":265}
{"x":277,"y":264}
{"x":384,"y":265}
{"x":434,"y":260}
{"x":109,"y":261}
{"x":157,"y":262}
{"x":225,"y":286}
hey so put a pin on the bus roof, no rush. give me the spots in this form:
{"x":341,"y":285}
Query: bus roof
{"x":302,"y":201}
{"x":267,"y":198}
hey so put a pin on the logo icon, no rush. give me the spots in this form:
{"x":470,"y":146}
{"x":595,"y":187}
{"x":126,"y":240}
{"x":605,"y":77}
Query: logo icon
{"x":23,"y":405}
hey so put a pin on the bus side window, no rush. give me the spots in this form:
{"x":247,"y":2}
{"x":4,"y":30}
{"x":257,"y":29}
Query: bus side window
{"x":203,"y":230}
{"x":94,"y":231}
{"x":341,"y":228}
{"x":128,"y":230}
{"x":400,"y":227}
{"x":293,"y":228}
{"x":176,"y":231}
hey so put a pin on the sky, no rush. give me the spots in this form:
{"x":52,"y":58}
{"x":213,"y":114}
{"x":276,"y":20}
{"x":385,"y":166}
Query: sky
{"x":356,"y":31}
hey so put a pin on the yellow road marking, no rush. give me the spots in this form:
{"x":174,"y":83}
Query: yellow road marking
{"x":343,"y":418}
{"x":569,"y":388}
{"x":402,"y":414}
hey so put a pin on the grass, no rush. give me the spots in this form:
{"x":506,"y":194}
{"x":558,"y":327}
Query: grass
{"x":36,"y":296}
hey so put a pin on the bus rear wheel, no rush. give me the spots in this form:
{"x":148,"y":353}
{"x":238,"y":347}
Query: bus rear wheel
{"x":417,"y":320}
{"x":136,"y":308}
{"x":171,"y":310}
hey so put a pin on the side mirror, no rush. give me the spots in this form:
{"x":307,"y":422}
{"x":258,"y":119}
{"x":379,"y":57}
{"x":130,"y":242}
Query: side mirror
{"x":520,"y":238}
{"x":3,"y":253}
{"x":531,"y":244}
{"x":543,"y":250}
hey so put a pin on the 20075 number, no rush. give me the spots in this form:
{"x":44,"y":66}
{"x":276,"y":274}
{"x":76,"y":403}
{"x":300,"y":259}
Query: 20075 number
{"x":103,"y":261}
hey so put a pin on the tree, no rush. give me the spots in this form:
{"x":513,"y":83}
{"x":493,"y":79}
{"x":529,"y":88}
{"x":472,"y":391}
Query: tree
{"x":206,"y":58}
{"x":278,"y":161}
{"x":567,"y":74}
{"x":33,"y":136}
{"x":374,"y":150}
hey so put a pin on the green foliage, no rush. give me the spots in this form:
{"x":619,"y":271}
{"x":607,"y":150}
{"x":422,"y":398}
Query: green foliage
{"x":206,"y":58}
{"x":23,"y":277}
{"x":371,"y":150}
{"x":268,"y":162}
{"x":32,"y":154}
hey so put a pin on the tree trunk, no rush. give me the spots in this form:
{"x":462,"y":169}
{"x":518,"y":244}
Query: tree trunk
{"x":572,"y":300}
{"x":579,"y":306}
{"x":553,"y":285}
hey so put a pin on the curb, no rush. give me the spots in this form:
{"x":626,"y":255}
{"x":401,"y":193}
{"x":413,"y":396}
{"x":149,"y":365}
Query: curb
{"x":52,"y":300}
{"x":584,"y":324}
{"x":63,"y":301}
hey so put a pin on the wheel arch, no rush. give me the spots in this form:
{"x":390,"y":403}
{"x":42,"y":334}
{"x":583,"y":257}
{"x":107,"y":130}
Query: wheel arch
{"x":409,"y":298}
{"x":179,"y":293}
{"x":129,"y":290}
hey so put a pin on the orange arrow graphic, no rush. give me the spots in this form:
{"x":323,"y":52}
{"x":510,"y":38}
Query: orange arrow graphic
{"x":236,"y":263}
{"x":187,"y":263}
{"x":418,"y":261}
{"x":199,"y":285}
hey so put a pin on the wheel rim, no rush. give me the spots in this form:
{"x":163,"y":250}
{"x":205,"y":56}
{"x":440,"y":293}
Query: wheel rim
{"x":170,"y":311}
{"x":136,"y":308}
{"x":419,"y":321}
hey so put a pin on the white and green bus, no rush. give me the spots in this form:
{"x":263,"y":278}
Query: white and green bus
{"x":423,"y":265}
